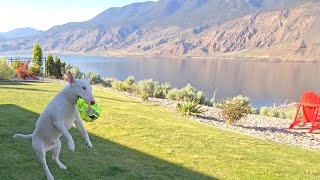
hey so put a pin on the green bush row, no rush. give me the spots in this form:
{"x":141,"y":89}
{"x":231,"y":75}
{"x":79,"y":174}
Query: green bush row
{"x":284,"y":113}
{"x":164,"y":90}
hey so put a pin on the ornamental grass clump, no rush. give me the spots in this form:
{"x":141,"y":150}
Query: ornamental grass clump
{"x":190,"y":108}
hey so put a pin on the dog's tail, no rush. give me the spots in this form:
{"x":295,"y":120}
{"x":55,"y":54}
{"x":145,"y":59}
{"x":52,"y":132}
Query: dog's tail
{"x":22,"y":136}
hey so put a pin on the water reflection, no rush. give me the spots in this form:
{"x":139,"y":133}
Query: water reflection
{"x":264,"y":82}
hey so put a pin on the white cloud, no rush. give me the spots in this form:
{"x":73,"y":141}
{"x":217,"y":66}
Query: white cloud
{"x":43,"y":19}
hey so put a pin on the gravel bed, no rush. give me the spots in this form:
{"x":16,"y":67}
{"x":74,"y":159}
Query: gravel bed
{"x":265,"y":128}
{"x":262,"y":127}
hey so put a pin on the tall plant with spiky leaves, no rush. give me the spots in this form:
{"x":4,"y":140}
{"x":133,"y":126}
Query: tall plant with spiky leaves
{"x":190,"y":108}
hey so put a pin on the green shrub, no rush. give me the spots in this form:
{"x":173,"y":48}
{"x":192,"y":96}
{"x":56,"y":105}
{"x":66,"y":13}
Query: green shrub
{"x":129,"y":81}
{"x":94,"y":78}
{"x":254,"y":110}
{"x":15,"y":64}
{"x":35,"y":69}
{"x":201,"y":97}
{"x":290,"y":113}
{"x":208,"y":102}
{"x":118,"y":85}
{"x":172,"y":94}
{"x":235,"y":108}
{"x":75,"y":71}
{"x":190,"y":108}
{"x":145,"y":97}
{"x":188,"y":93}
{"x":146,"y":86}
{"x":108,"y":81}
{"x":158,"y":92}
{"x":274,"y":112}
{"x":264,"y":111}
{"x":166,"y":87}
{"x":133,"y":89}
{"x":6,"y":72}
{"x":284,"y":113}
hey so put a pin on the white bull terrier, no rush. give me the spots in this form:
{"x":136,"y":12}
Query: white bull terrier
{"x":56,"y":119}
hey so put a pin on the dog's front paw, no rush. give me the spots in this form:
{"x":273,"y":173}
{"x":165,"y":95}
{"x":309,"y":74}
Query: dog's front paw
{"x":50,"y":177}
{"x":63,"y":166}
{"x":71,"y":146}
{"x":89,"y":144}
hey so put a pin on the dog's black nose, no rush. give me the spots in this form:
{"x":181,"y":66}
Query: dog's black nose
{"x":93,"y":102}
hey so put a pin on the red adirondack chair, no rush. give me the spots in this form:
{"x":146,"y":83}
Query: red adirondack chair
{"x":310,"y":105}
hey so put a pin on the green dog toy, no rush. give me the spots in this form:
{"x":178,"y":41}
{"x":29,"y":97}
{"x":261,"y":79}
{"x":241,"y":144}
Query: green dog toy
{"x":88,"y":112}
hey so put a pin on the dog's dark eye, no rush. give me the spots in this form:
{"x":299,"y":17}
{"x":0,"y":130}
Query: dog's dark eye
{"x":83,"y":88}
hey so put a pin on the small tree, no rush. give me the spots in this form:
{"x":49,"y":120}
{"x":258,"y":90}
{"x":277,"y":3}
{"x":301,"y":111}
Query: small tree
{"x":57,"y":64}
{"x":37,"y":59}
{"x":50,"y":65}
{"x":22,"y":72}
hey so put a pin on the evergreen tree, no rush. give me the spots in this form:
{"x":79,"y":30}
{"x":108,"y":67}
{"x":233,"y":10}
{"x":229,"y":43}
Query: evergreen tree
{"x":50,"y":65}
{"x":57,"y":64}
{"x":63,"y":66}
{"x":37,"y":59}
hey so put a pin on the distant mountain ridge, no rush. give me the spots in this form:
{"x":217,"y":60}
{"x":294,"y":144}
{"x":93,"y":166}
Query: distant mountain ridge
{"x":244,"y":28}
{"x":19,"y":33}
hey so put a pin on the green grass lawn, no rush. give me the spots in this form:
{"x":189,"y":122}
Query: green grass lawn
{"x":138,"y":140}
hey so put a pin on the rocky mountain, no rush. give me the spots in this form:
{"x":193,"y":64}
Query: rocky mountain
{"x":244,"y":28}
{"x":19,"y":33}
{"x":292,"y":34}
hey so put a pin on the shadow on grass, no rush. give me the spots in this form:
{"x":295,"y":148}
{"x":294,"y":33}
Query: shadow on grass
{"x":119,"y":100}
{"x":23,"y":89}
{"x":107,"y":160}
{"x":270,"y":129}
{"x":15,"y":83}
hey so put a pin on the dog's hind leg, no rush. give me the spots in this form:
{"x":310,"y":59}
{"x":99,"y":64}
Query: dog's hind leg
{"x":39,"y":148}
{"x":55,"y":153}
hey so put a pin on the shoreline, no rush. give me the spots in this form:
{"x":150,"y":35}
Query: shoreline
{"x":211,"y":57}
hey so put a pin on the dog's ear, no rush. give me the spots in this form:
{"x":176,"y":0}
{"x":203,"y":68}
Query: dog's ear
{"x":70,"y":77}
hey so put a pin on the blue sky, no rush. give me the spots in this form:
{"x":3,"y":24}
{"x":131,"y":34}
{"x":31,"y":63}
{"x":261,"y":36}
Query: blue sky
{"x":43,"y":14}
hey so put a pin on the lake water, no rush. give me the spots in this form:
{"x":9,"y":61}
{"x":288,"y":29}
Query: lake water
{"x":265,"y":82}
